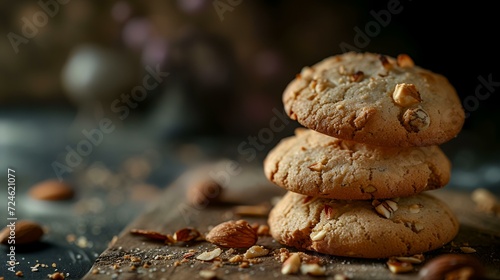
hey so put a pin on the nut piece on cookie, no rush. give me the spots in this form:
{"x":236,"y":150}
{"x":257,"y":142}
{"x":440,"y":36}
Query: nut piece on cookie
{"x":397,"y":267}
{"x":385,"y":62}
{"x":406,"y":95}
{"x":386,"y":208}
{"x":357,"y":76}
{"x":405,"y":61}
{"x":415,"y":120}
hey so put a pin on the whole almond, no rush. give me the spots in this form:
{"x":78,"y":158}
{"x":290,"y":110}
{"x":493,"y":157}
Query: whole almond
{"x":26,"y":232}
{"x":233,"y":234}
{"x":52,"y":190}
{"x":452,"y":265}
{"x":203,"y":192}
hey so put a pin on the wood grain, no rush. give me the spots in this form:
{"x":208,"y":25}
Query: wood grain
{"x":171,"y":213}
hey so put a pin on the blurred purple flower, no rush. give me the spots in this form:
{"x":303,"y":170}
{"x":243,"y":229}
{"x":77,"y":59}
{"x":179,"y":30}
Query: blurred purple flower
{"x":136,"y":33}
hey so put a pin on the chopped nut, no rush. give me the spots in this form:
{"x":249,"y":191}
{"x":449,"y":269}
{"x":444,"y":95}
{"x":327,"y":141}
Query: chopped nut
{"x":244,"y":264}
{"x":386,"y":208}
{"x":357,"y":76}
{"x":318,"y":166}
{"x":306,"y":73}
{"x":209,"y":255}
{"x":291,"y":265}
{"x":328,"y":211}
{"x":188,"y":255}
{"x":252,"y":210}
{"x":322,"y":85}
{"x":135,"y":259}
{"x":342,"y":70}
{"x":149,"y":234}
{"x":208,"y":274}
{"x":414,"y":208}
{"x":418,"y":258}
{"x":313,"y":269}
{"x":263,"y":230}
{"x":467,"y":250}
{"x":385,"y":62}
{"x":237,"y":258}
{"x":320,"y":235}
{"x":186,"y":234}
{"x":255,"y":252}
{"x":451,"y":265}
{"x":369,"y":189}
{"x":406,"y":95}
{"x":56,"y":276}
{"x":418,"y":227}
{"x":416,"y":119}
{"x":397,"y":267}
{"x":340,"y":277}
{"x":95,"y":271}
{"x":19,"y":273}
{"x":485,"y":200}
{"x":405,"y":61}
{"x":234,"y":234}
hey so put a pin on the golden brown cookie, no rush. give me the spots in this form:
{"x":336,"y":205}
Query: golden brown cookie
{"x":374,"y":99}
{"x":419,"y":224}
{"x":315,"y":164}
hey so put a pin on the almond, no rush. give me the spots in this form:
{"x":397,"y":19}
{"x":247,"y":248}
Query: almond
{"x":234,"y":234}
{"x":255,"y":252}
{"x":313,"y":269}
{"x":209,"y":255}
{"x":150,"y":234}
{"x":186,"y":234}
{"x":52,"y":190}
{"x":26,"y":232}
{"x":291,"y":265}
{"x":398,"y":267}
{"x":449,"y":266}
{"x":203,"y":192}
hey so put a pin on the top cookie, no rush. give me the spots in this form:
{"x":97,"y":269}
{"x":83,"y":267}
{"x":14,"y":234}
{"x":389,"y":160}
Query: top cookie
{"x":375,"y":99}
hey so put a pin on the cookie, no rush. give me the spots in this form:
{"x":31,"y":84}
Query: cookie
{"x":354,"y":228}
{"x":375,"y":99}
{"x":315,"y":164}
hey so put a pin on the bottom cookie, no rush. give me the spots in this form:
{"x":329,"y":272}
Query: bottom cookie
{"x":421,"y":223}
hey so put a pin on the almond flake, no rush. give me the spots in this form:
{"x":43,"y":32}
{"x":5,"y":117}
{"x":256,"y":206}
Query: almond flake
{"x":397,"y":267}
{"x":209,"y":255}
{"x":467,"y":250}
{"x":320,"y":235}
{"x":313,"y":269}
{"x":255,"y":252}
{"x":291,"y":265}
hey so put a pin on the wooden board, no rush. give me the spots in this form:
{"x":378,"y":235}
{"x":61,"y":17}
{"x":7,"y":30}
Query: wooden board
{"x":170,"y":213}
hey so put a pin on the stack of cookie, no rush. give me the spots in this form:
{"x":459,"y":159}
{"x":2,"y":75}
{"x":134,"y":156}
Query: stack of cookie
{"x":356,"y":173}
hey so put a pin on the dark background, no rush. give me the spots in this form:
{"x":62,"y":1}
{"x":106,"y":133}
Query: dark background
{"x":225,"y":78}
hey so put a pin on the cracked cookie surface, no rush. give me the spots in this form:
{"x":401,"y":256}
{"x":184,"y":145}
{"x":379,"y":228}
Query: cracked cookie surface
{"x":374,"y":99}
{"x":315,"y":164}
{"x":421,"y":223}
